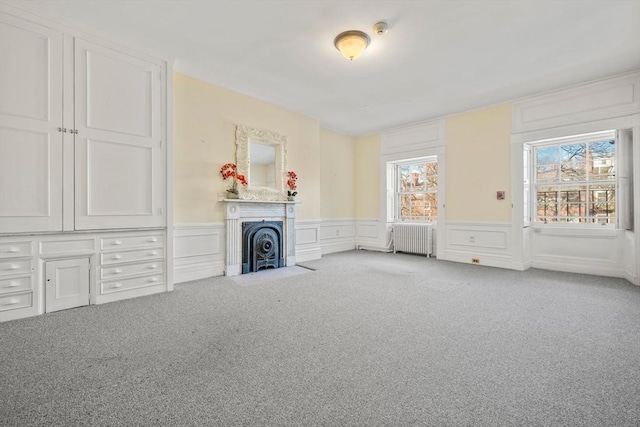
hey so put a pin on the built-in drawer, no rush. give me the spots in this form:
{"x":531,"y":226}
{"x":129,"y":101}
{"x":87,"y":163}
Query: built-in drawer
{"x":15,"y":267}
{"x":131,"y":256}
{"x":126,"y":242}
{"x":13,"y":302}
{"x":15,"y":285}
{"x":131,"y":269}
{"x":129,"y":284}
{"x":14,"y":250}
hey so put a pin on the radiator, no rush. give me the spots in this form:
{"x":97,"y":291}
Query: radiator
{"x":412,"y":238}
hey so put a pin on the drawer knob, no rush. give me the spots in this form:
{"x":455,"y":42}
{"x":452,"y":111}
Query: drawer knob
{"x":13,"y":284}
{"x":117,"y":271}
{"x":152,"y":253}
{"x":153,"y":279}
{"x":13,"y":267}
{"x":152,"y":266}
{"x":117,"y":285}
{"x":117,"y":242}
{"x":117,"y":257}
{"x":12,"y":301}
{"x":153,"y":240}
{"x":12,"y":250}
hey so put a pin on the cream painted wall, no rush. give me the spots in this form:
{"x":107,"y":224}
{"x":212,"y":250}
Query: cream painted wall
{"x":478,"y":165}
{"x":337,"y":157}
{"x":205,"y":117}
{"x":367,"y":176}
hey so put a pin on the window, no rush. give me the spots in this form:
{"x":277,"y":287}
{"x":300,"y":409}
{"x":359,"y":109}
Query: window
{"x":416,"y":189}
{"x":573,"y":179}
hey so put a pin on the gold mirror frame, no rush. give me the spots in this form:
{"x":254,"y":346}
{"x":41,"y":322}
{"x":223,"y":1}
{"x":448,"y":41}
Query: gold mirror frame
{"x":245,"y":134}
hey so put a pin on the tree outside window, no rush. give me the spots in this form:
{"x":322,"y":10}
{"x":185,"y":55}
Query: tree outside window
{"x":575,"y":182}
{"x":417,"y":190}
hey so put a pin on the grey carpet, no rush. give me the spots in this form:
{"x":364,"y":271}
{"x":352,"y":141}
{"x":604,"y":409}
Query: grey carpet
{"x":368,"y":339}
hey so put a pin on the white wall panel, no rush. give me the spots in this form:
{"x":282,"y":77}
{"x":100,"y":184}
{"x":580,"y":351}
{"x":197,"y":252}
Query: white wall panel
{"x":613,"y":97}
{"x":337,"y":235}
{"x":490,"y":243}
{"x":308,"y":240}
{"x":198,"y":251}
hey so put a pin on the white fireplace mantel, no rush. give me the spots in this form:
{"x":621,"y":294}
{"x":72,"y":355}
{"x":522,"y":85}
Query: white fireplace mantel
{"x":241,"y":210}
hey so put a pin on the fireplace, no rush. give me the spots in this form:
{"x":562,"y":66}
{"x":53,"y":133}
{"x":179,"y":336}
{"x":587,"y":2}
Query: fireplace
{"x":261,"y":246}
{"x":276,"y":219}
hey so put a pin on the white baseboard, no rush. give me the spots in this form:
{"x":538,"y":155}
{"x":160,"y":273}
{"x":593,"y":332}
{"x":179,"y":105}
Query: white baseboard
{"x":309,"y":254}
{"x":633,"y":279}
{"x":596,"y":270}
{"x":191,"y":272}
{"x":486,"y":259}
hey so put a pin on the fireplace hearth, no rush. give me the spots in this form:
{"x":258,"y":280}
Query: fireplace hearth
{"x":262,"y":246}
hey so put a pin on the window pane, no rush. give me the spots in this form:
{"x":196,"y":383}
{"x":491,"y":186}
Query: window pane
{"x":432,"y":176}
{"x":573,"y":162}
{"x":602,"y":160}
{"x":547,"y":164}
{"x":602,"y":204}
{"x":413,"y":177}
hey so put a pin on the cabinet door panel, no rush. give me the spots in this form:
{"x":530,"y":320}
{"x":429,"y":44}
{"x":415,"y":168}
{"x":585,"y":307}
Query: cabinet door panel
{"x":120,"y":161}
{"x":129,"y":191}
{"x":67,"y":284}
{"x":128,"y":109}
{"x":30,"y":115}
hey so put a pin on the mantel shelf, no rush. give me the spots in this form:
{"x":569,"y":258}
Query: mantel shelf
{"x":286,"y":202}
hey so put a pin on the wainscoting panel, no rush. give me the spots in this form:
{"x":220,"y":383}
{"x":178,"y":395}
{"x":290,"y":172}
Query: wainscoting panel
{"x":613,"y":97}
{"x":198,"y":251}
{"x":370,"y":234}
{"x":488,"y":243}
{"x":308,"y":240}
{"x":590,"y":251}
{"x":337,"y":235}
{"x":631,"y":262}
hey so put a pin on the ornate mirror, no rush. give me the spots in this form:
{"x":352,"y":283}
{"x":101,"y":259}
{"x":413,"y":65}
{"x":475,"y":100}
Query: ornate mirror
{"x":261,"y":157}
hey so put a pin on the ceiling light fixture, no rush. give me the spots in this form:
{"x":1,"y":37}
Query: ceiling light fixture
{"x":351,"y":43}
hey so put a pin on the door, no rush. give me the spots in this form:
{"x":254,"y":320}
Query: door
{"x":119,"y":155}
{"x":67,"y":284}
{"x":31,"y":133}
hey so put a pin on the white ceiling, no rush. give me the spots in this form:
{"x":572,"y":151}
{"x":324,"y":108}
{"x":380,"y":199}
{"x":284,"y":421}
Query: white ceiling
{"x":439,"y":56}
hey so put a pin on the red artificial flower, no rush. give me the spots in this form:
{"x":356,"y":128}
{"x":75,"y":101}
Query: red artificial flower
{"x":242,"y":179}
{"x":228,"y":170}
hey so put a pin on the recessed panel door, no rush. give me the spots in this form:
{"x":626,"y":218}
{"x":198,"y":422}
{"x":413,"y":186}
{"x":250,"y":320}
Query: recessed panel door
{"x":120,"y":161}
{"x":67,"y":284}
{"x":31,"y":132}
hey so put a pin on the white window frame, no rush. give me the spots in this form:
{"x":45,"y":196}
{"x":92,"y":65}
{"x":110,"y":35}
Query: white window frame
{"x":393,"y":185}
{"x":530,"y":185}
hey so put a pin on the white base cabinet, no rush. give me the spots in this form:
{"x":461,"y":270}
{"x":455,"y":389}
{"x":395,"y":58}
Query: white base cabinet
{"x":85,"y":162}
{"x":45,"y":273}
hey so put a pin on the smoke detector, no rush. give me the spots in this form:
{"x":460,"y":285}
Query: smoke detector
{"x":380,"y":28}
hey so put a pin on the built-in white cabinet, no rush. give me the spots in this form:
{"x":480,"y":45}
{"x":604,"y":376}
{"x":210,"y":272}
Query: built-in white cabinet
{"x":84,"y":159}
{"x":83,"y":142}
{"x":31,"y":122}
